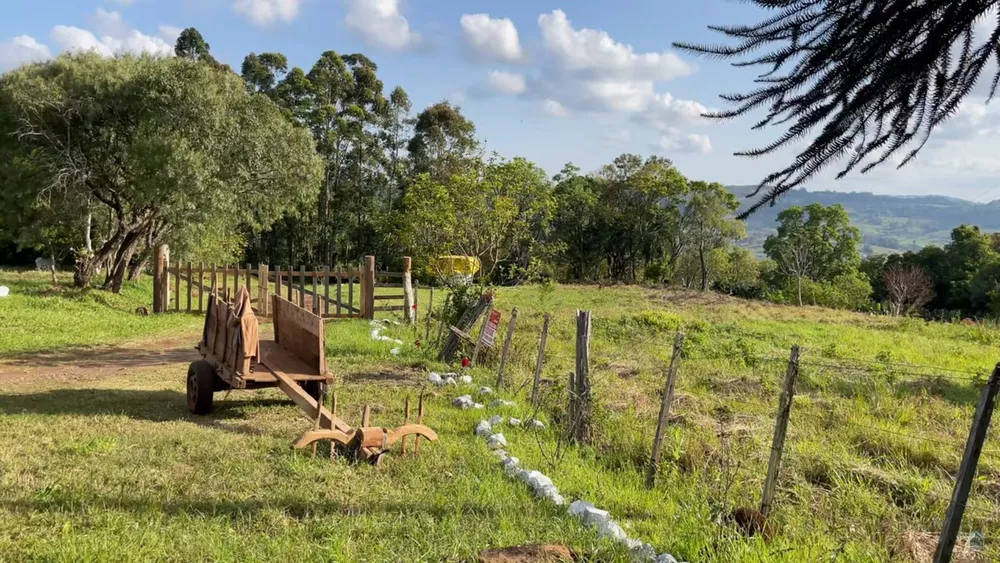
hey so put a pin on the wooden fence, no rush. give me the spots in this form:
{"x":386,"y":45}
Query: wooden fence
{"x":331,"y":293}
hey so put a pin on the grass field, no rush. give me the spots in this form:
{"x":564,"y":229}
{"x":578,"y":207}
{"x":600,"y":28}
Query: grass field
{"x":107,"y":463}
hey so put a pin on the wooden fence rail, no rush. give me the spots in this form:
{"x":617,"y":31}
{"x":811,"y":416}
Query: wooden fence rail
{"x":327,"y":292}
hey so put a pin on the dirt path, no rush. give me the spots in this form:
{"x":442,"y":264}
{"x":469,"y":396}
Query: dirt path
{"x":83,"y":364}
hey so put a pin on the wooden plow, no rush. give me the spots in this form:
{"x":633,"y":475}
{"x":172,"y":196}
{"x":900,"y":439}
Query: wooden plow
{"x":234,"y":357}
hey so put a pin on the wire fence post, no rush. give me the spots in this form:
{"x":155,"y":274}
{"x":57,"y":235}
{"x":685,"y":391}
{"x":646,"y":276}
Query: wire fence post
{"x":967,"y":471}
{"x":506,"y":347}
{"x":584,"y":408}
{"x":668,"y":397}
{"x":780,"y":430}
{"x":540,"y":360}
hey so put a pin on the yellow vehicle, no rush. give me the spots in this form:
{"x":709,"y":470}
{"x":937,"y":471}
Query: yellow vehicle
{"x":455,"y":267}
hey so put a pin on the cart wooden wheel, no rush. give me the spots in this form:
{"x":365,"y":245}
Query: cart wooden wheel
{"x":200,"y":387}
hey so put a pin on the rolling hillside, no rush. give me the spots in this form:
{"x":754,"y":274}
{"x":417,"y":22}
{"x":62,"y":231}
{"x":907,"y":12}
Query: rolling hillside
{"x":888,"y":223}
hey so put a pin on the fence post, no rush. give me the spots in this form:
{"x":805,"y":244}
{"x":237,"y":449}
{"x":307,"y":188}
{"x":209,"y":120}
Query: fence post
{"x":368,"y":288}
{"x":190,"y":275}
{"x":430,"y":313}
{"x":160,"y":284}
{"x":316,"y":306}
{"x":967,"y":471}
{"x":326,"y":290}
{"x":201,"y":286}
{"x":668,"y":397}
{"x":584,"y":408}
{"x":302,"y":287}
{"x":264,"y":277}
{"x":541,"y":359}
{"x":409,"y":314}
{"x":247,"y":276}
{"x":780,"y":430}
{"x":506,"y":347}
{"x":177,"y":287}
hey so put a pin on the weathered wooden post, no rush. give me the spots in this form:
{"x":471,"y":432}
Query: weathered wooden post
{"x":177,"y":286}
{"x":161,"y":285}
{"x":302,"y":287}
{"x":409,"y":313}
{"x":264,"y":276}
{"x":967,"y":471}
{"x":541,"y":359}
{"x":368,"y":288}
{"x":506,"y":347}
{"x":201,"y":286}
{"x":584,"y":408}
{"x":430,"y":313}
{"x":668,"y":397}
{"x":780,"y":430}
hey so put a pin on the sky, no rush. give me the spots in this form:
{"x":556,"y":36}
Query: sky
{"x":562,"y":81}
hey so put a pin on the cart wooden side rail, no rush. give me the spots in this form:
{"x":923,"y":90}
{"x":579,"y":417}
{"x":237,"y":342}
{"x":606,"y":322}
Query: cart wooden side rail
{"x":295,"y":361}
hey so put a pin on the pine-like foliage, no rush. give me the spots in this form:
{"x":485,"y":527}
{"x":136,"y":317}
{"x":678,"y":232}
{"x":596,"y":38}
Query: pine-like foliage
{"x":865,"y":78}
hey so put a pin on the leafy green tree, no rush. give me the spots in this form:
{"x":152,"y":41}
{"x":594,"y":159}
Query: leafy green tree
{"x":443,"y":142}
{"x":711,"y":226}
{"x":577,"y":223}
{"x":158,"y":147}
{"x":969,"y":251}
{"x":814,"y":243}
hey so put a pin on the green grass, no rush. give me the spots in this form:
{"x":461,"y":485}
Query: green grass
{"x":41,"y":317}
{"x":114,"y":467}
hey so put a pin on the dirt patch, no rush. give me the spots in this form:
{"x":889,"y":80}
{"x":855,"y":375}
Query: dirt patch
{"x":526,"y":554}
{"x":919,"y":547}
{"x":88,"y":364}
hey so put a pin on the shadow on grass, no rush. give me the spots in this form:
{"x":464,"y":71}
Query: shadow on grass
{"x":153,"y":406}
{"x":294,"y":508}
{"x":97,"y":357}
{"x":952,"y":391}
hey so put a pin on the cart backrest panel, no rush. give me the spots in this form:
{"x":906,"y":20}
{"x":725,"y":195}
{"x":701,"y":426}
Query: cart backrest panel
{"x":300,"y":332}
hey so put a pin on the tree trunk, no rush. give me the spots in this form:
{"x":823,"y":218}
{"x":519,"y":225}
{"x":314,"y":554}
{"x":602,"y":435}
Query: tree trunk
{"x":117,"y":268}
{"x":138,"y":264}
{"x":798,"y":280}
{"x":704,"y":269}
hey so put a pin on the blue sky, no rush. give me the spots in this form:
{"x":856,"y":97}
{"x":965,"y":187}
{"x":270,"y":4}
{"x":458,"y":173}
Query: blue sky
{"x":554,"y":81}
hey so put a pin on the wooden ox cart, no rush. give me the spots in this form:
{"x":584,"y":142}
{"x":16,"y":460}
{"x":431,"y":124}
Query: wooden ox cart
{"x":234,"y":357}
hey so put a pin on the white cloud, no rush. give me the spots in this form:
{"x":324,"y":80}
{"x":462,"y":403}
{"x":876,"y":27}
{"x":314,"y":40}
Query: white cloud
{"x":509,"y":83}
{"x":491,"y":39}
{"x":594,"y":51}
{"x":554,"y":109}
{"x":675,"y":141}
{"x":381,"y":24}
{"x":268,"y":12}
{"x":170,"y":33}
{"x":22,"y":50}
{"x":117,"y":37}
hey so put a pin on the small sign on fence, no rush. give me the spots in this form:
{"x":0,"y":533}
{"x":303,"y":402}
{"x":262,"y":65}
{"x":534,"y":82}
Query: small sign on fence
{"x":490,"y":331}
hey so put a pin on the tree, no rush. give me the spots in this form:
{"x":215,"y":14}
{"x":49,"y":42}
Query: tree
{"x":968,"y":252}
{"x":577,"y":223}
{"x":160,"y":148}
{"x":443,"y":142}
{"x":908,"y":288}
{"x":873,"y":76}
{"x":191,"y":45}
{"x":816,"y":243}
{"x":711,"y":226}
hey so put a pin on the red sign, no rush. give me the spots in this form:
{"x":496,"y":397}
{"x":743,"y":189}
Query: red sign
{"x":490,"y":332}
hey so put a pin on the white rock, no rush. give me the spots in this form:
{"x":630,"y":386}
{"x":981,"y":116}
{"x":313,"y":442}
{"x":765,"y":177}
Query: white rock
{"x":502,"y":454}
{"x":484,"y":429}
{"x":477,"y":406}
{"x":450,"y":381}
{"x":502,"y":403}
{"x":666,"y":558}
{"x":536,"y":424}
{"x":465,"y":379}
{"x":611,"y":529}
{"x":375,"y":335}
{"x":485,"y":391}
{"x":434,"y":378}
{"x":4,"y":291}
{"x":496,"y":419}
{"x":641,"y":550}
{"x":514,"y":421}
{"x":578,"y":507}
{"x":496,"y":441}
{"x":463,"y":402}
{"x":397,"y":342}
{"x":511,"y":464}
{"x":395,"y":351}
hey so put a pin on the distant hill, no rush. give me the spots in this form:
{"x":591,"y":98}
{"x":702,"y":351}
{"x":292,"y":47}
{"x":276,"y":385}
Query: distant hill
{"x":888,"y":223}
